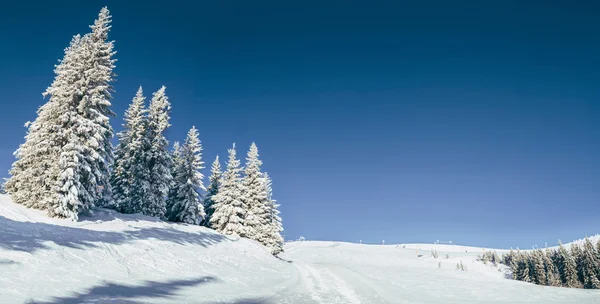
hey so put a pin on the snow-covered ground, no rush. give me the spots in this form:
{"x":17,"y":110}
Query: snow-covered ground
{"x":116,"y":258}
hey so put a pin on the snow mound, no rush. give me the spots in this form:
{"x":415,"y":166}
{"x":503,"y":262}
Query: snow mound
{"x":116,"y":258}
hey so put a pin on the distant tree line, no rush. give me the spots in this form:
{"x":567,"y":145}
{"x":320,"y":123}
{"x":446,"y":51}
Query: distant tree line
{"x":577,"y":267}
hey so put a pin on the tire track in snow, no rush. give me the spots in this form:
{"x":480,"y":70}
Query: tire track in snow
{"x":323,"y":286}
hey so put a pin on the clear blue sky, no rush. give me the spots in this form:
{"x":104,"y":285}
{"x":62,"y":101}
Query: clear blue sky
{"x":472,"y":122}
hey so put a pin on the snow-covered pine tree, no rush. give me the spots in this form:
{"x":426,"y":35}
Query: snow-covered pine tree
{"x":158,"y":158}
{"x":522,"y":272}
{"x":35,"y":172}
{"x":552,"y":275}
{"x":539,"y":270}
{"x":69,"y":142}
{"x":129,"y":178}
{"x":83,"y":165}
{"x":95,"y":106}
{"x":212,"y":190}
{"x":567,"y":267}
{"x":185,"y":205}
{"x":255,"y":198}
{"x":274,"y":239}
{"x":230,"y":209}
{"x":577,"y":254}
{"x":590,"y":270}
{"x":176,"y":163}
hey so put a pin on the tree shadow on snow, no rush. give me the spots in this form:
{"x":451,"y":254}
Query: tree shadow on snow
{"x":107,"y":215}
{"x":8,"y":262}
{"x":30,"y":237}
{"x":126,"y":294}
{"x":245,"y":301}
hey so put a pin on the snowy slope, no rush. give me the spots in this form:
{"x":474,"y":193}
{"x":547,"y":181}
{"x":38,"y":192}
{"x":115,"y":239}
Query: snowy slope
{"x":116,"y":258}
{"x":127,"y":257}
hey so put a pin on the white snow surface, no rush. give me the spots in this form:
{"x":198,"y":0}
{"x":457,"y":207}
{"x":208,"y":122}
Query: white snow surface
{"x":116,"y":258}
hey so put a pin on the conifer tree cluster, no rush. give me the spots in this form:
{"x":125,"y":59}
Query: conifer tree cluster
{"x":67,"y":164}
{"x":243,"y":205}
{"x":578,"y":267}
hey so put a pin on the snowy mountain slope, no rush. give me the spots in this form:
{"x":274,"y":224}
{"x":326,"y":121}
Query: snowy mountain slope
{"x":112,"y":257}
{"x":127,"y":257}
{"x":392,"y":274}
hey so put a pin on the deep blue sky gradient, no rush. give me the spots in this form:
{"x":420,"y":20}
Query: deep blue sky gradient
{"x":471,"y":121}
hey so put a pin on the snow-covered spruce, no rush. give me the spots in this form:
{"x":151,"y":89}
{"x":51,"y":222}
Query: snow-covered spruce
{"x":273,"y":238}
{"x":184,"y":203}
{"x":64,"y":163}
{"x":230,"y":209}
{"x":35,"y":171}
{"x":176,"y":163}
{"x":129,"y":177}
{"x":158,"y":159}
{"x":261,"y":218}
{"x":212,"y":190}
{"x":255,"y":197}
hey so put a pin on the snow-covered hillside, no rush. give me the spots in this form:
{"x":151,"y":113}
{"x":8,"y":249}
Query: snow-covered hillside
{"x":116,"y":258}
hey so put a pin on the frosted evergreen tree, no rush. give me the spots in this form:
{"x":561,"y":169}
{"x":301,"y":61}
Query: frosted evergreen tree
{"x":255,"y":198}
{"x":589,"y":268}
{"x":176,"y":163}
{"x":129,"y":179}
{"x":95,"y":105}
{"x":577,"y":255}
{"x":158,"y":158}
{"x":552,"y":275}
{"x":567,"y":267}
{"x":185,"y":203}
{"x":86,"y":157}
{"x":274,"y":240}
{"x":230,"y":210}
{"x":523,"y":268}
{"x":69,"y":142}
{"x":539,"y":271}
{"x":212,"y":190}
{"x":35,"y":172}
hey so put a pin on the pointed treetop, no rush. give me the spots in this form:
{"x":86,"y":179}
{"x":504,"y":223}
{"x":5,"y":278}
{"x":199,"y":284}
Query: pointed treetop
{"x":101,"y":25}
{"x":216,"y":166}
{"x":232,"y":155}
{"x":192,"y":140}
{"x":176,"y":147}
{"x":159,"y":110}
{"x":252,"y":157}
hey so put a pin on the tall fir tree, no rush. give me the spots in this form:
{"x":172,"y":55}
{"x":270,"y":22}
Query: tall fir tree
{"x":70,"y":139}
{"x":537,"y":265}
{"x":230,"y":210}
{"x":212,"y":190}
{"x":35,"y":172}
{"x":577,"y":255}
{"x":552,"y":275}
{"x":590,"y":270}
{"x":95,"y":105}
{"x":176,"y":163}
{"x":567,"y":267}
{"x":185,"y":202}
{"x":129,"y":177}
{"x":158,"y":158}
{"x":255,"y":198}
{"x":274,"y":239}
